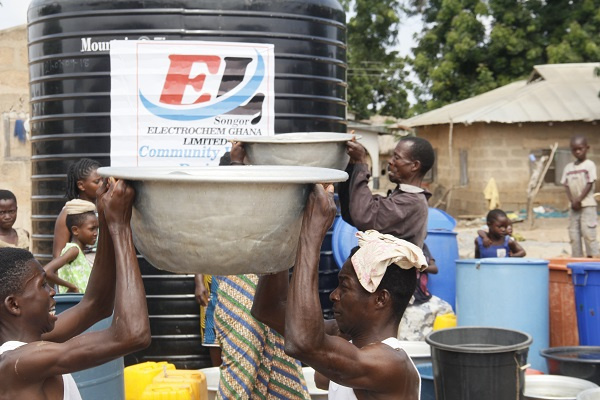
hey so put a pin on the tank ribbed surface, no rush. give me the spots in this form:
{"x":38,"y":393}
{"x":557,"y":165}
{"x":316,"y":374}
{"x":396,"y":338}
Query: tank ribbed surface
{"x":70,"y":83}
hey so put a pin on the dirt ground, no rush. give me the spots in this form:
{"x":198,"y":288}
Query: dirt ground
{"x":548,"y":238}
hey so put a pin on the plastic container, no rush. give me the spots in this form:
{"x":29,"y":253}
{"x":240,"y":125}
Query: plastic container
{"x":70,"y":81}
{"x":510,"y":293}
{"x":555,"y":387}
{"x":213,"y":374}
{"x":196,"y":380}
{"x":475,"y":363}
{"x":440,"y":220}
{"x":418,"y":351}
{"x":168,"y":391}
{"x":427,"y":386}
{"x":444,"y":321}
{"x":313,"y":390}
{"x":578,"y":361}
{"x":104,"y":381}
{"x":563,"y":316}
{"x":443,"y":247}
{"x":138,"y":376}
{"x":589,"y":394}
{"x":174,"y":319}
{"x":440,"y":239}
{"x":343,"y":240}
{"x":586,"y":280}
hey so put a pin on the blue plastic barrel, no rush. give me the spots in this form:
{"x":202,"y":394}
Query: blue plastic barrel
{"x":343,"y":240}
{"x":104,"y":381}
{"x":510,"y":293}
{"x":427,"y":387}
{"x":443,"y":246}
{"x":440,"y":220}
{"x":586,"y":281}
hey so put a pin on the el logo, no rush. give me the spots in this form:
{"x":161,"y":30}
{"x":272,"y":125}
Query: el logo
{"x":179,"y":78}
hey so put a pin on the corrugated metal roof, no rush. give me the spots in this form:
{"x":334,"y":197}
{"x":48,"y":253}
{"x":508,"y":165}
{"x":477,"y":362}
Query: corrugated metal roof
{"x":553,"y":92}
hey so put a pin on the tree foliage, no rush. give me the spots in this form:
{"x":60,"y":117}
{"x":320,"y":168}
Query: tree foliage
{"x":466,"y":47}
{"x":376,"y":74}
{"x":471,"y":46}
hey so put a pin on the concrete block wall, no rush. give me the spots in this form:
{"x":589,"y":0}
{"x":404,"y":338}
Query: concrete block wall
{"x":15,"y":156}
{"x":501,"y":151}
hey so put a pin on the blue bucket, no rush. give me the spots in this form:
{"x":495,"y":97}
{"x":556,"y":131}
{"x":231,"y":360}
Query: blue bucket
{"x":343,"y":240}
{"x":427,"y":387}
{"x":104,"y":381}
{"x":586,"y":281}
{"x":510,"y":293}
{"x":443,"y":247}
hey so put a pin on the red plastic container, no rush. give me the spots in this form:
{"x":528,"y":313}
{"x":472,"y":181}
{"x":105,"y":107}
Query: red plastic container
{"x":563,"y":315}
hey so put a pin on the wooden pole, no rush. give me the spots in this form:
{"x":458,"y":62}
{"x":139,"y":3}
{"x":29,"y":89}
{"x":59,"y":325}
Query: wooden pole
{"x":534,"y":188}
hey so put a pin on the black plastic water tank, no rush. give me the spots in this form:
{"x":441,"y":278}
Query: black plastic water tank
{"x":69,"y":68}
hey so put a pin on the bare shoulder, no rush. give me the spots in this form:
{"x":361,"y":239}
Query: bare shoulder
{"x":398,"y":377}
{"x":388,"y":361}
{"x":21,"y":377}
{"x":31,"y":361}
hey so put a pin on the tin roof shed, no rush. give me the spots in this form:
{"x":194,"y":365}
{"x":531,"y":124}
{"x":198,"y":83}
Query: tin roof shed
{"x":553,"y":93}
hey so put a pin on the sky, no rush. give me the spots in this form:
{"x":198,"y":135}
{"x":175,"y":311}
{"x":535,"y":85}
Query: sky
{"x":13,"y":13}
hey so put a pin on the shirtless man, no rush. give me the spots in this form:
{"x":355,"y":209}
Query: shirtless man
{"x":38,"y":349}
{"x":368,"y":312}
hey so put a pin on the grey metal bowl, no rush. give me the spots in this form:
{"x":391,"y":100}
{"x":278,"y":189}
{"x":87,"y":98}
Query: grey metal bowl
{"x":313,"y":149}
{"x":220,"y":220}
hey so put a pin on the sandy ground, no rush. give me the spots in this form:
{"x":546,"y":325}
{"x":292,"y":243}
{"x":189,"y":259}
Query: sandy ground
{"x":548,"y":238}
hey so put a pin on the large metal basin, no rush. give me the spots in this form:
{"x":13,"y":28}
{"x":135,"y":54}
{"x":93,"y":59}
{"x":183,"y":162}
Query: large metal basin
{"x":220,"y":220}
{"x":313,"y":149}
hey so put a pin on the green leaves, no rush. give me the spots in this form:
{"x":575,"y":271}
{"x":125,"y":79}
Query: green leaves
{"x":376,"y":74}
{"x":456,"y":59}
{"x":466,"y":47}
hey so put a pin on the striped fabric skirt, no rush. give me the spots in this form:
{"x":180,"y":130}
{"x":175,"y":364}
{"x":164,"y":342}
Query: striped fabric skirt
{"x":254,"y":363}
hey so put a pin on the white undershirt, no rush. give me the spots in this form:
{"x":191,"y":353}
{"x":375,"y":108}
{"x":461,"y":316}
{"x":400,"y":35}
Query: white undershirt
{"x":339,"y":392}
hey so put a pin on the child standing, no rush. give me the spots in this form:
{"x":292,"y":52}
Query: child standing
{"x":71,"y":269}
{"x":9,"y":236}
{"x":82,"y":182}
{"x":501,"y":244}
{"x":579,"y":178}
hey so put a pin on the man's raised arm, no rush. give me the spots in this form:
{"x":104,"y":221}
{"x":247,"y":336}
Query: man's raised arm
{"x":98,"y":300}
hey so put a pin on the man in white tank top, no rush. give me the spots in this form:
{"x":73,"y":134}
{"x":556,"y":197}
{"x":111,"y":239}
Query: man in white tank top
{"x":375,"y":286}
{"x":39,"y":350}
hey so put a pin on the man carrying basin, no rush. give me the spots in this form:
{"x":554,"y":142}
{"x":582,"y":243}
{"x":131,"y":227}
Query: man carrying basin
{"x":375,"y":286}
{"x":403,"y":213}
{"x":38,"y":349}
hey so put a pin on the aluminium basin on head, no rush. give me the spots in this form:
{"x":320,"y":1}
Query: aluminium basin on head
{"x":220,"y":220}
{"x":311,"y":149}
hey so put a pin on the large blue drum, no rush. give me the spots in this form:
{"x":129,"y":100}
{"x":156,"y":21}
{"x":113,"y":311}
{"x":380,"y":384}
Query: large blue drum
{"x":510,"y":293}
{"x":443,"y":246}
{"x":104,"y":381}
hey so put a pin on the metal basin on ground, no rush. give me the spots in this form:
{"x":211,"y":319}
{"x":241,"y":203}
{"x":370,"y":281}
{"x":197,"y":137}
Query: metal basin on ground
{"x":313,"y":149}
{"x":554,"y":387}
{"x":576,"y":361}
{"x":220,"y":220}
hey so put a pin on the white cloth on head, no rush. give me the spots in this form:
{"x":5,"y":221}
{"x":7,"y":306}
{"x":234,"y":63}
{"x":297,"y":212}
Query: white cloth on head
{"x":78,"y":206}
{"x":70,"y":392}
{"x":378,"y":251}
